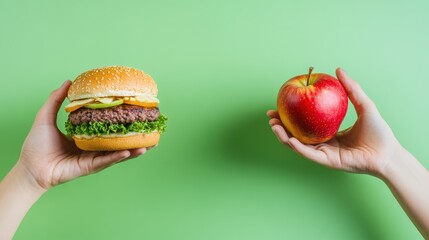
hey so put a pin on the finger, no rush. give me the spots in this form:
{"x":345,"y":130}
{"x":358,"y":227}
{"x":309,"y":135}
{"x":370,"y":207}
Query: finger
{"x":137,"y":152}
{"x":103,"y":161}
{"x":308,"y":151}
{"x":357,"y":96}
{"x":273,"y":114}
{"x":275,"y":121}
{"x":281,"y":134}
{"x":48,"y":112}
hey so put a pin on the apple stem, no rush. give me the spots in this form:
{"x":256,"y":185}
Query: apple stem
{"x":310,"y":70}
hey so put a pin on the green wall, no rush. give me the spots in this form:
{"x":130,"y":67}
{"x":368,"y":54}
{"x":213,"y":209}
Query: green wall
{"x":218,"y":172}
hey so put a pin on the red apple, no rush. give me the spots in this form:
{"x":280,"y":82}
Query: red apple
{"x":312,"y":106}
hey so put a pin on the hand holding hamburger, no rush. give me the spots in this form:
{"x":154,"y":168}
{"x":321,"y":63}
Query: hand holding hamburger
{"x":114,"y":108}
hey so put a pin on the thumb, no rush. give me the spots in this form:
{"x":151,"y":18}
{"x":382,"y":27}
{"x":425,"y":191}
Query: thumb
{"x":359,"y":99}
{"x":48,"y":113}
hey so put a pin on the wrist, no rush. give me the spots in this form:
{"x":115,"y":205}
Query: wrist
{"x":24,"y":180}
{"x":400,"y":164}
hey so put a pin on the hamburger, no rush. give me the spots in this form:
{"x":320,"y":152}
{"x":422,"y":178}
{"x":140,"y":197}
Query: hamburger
{"x":114,"y":108}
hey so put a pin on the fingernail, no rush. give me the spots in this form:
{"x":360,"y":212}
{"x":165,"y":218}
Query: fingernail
{"x":125,"y":154}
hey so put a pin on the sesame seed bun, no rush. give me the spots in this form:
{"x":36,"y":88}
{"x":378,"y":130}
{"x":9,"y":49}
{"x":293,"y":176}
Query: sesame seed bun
{"x":112,"y":81}
{"x":117,"y":142}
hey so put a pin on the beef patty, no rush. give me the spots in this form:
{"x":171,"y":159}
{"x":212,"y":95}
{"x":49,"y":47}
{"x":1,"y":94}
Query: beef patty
{"x":120,"y":114}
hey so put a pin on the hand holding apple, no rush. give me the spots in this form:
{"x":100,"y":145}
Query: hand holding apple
{"x":369,"y":146}
{"x":312,"y":106}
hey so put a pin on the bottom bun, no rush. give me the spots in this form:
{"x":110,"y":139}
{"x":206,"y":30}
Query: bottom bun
{"x":132,"y":141}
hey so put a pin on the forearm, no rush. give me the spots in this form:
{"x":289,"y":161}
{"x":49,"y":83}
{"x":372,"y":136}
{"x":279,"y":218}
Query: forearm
{"x":409,"y":182}
{"x":18,"y":192}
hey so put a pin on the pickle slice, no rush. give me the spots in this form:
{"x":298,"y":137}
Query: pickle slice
{"x":104,"y":105}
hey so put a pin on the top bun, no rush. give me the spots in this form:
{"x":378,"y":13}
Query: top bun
{"x":112,"y":81}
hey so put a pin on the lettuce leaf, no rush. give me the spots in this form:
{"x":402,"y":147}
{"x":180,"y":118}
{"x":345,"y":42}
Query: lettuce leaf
{"x":104,"y":128}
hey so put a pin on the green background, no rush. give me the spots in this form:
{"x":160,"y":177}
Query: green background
{"x":218,"y":172}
